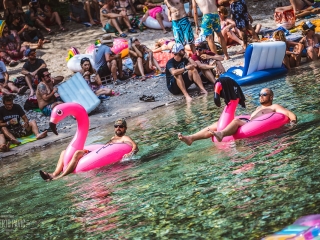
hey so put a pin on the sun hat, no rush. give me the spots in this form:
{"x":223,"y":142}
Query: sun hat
{"x":106,"y":39}
{"x":177,"y":48}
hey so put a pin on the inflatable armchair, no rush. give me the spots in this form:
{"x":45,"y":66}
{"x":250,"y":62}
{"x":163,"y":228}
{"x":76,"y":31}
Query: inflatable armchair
{"x":262,"y":61}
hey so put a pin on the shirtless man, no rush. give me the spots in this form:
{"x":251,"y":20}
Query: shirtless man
{"x":266,"y":97}
{"x":181,"y":27}
{"x":120,"y":127}
{"x":210,"y":23}
{"x":296,"y":5}
{"x":46,"y":93}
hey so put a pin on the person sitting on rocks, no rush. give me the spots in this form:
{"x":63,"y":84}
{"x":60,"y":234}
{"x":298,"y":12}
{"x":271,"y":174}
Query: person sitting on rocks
{"x":11,"y":42}
{"x":111,"y":21}
{"x":181,"y":73}
{"x":49,"y":17}
{"x":142,"y":58}
{"x":10,"y":116}
{"x":31,"y":67}
{"x":313,"y":8}
{"x":106,"y":62}
{"x":310,"y":41}
{"x":292,"y":58}
{"x":31,"y":17}
{"x":93,"y":78}
{"x":47,"y":94}
{"x":81,"y":11}
{"x":5,"y":85}
{"x":207,"y":61}
{"x":126,"y":8}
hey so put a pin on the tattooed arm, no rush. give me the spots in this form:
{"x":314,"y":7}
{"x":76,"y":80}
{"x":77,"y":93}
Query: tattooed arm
{"x":42,"y":89}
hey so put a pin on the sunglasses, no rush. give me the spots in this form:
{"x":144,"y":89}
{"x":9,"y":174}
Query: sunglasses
{"x":263,"y":94}
{"x":84,"y":60}
{"x":118,"y":126}
{"x":47,"y":75}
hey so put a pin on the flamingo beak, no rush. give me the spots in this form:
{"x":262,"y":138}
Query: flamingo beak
{"x":217,"y":90}
{"x":53,"y":127}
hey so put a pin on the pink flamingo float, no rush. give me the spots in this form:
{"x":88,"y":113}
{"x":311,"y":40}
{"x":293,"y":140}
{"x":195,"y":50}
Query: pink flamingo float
{"x":99,"y":155}
{"x":257,"y":126}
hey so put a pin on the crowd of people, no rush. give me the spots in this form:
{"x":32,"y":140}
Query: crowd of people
{"x":196,"y":59}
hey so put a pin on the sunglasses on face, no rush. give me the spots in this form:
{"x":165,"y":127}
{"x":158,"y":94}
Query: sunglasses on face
{"x":47,"y":75}
{"x":263,"y":94}
{"x":118,"y":126}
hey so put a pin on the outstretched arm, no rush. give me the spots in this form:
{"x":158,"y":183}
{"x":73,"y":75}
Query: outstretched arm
{"x":288,"y":113}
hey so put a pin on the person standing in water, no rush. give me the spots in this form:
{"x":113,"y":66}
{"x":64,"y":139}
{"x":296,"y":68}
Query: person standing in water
{"x":120,"y":127}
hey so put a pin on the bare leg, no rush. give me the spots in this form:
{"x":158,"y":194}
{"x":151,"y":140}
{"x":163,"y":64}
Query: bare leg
{"x":193,"y":47}
{"x":59,"y":166}
{"x":55,"y":16}
{"x":4,"y":147}
{"x":12,"y":87}
{"x":72,"y":164}
{"x":88,"y":10}
{"x":209,"y":75}
{"x":113,"y":69}
{"x":114,"y":23}
{"x":4,"y":90}
{"x":145,"y":16}
{"x":311,"y":54}
{"x":195,"y":77}
{"x":254,"y":34}
{"x":10,"y":136}
{"x":33,"y":126}
{"x":159,"y":19}
{"x":182,"y":87}
{"x":127,"y":21}
{"x":229,"y":130}
{"x":104,"y":91}
{"x":155,"y":63}
{"x":119,"y":67}
{"x":202,"y":134}
{"x":223,"y":45}
{"x":29,"y":83}
{"x":234,"y":37}
{"x":286,"y":61}
{"x":41,"y":25}
{"x":211,"y":44}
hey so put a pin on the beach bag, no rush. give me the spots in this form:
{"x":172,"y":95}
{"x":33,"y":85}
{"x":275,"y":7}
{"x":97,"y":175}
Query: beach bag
{"x":20,"y":81}
{"x":30,"y":104}
{"x":285,"y":18}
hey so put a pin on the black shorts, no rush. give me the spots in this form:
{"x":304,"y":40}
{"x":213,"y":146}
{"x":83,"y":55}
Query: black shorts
{"x":19,"y":131}
{"x":173,"y":87}
{"x":2,"y":80}
{"x":104,"y":70}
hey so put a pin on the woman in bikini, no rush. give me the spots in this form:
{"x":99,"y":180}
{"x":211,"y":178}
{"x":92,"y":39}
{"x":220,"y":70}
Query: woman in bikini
{"x":292,"y":58}
{"x":93,"y":78}
{"x":166,"y":44}
{"x":310,"y":41}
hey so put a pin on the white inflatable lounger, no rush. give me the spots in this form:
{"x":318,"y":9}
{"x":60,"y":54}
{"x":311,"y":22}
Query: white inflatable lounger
{"x":76,"y":89}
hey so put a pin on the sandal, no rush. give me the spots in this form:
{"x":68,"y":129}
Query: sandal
{"x":45,"y":176}
{"x":123,"y":35}
{"x":147,"y":98}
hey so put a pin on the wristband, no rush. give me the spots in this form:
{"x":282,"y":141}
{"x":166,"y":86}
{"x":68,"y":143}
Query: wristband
{"x":185,"y":68}
{"x":8,"y":123}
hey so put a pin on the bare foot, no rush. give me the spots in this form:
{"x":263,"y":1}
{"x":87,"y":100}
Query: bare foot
{"x":15,"y":141}
{"x":218,"y":136}
{"x":189,"y":99}
{"x":40,"y":43}
{"x":5,"y":147}
{"x":226,"y":57}
{"x":42,"y":135}
{"x":241,"y":51}
{"x":186,"y":139}
{"x":165,"y":31}
{"x":204,"y":92}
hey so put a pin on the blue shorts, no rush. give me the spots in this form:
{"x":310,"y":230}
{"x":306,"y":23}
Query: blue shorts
{"x":109,"y":28}
{"x":47,"y":110}
{"x":182,"y":31}
{"x":210,"y":23}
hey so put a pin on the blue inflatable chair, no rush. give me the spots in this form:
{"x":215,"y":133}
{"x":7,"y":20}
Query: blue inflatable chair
{"x":263,"y":61}
{"x":76,"y":89}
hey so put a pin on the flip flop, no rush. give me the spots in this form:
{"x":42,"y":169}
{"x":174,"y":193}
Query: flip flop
{"x":45,"y":176}
{"x":147,"y":98}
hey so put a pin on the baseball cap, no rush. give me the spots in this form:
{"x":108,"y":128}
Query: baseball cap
{"x":134,"y":39}
{"x":308,"y":26}
{"x":177,"y":48}
{"x":28,"y":51}
{"x":121,"y":121}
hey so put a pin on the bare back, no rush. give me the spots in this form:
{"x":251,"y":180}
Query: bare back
{"x":44,"y":89}
{"x":176,"y":9}
{"x":207,"y":6}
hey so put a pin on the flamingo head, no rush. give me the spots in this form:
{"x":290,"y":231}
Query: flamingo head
{"x":63,"y":110}
{"x":217,"y":91}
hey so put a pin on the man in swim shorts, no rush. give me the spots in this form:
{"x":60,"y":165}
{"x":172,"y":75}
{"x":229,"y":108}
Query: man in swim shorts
{"x":210,"y":23}
{"x":181,"y":73}
{"x":47,"y":94}
{"x":120,"y":127}
{"x":266,"y":98}
{"x":181,"y":26}
{"x":10,"y":116}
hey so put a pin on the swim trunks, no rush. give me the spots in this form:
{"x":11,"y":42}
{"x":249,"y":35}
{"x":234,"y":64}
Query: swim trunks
{"x":240,"y":14}
{"x":19,"y":131}
{"x":153,"y":12}
{"x":173,"y":86}
{"x":47,"y":110}
{"x":210,"y":23}
{"x":109,"y":28}
{"x":182,"y":31}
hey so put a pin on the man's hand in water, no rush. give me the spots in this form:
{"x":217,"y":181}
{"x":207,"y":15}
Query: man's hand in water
{"x":293,"y":123}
